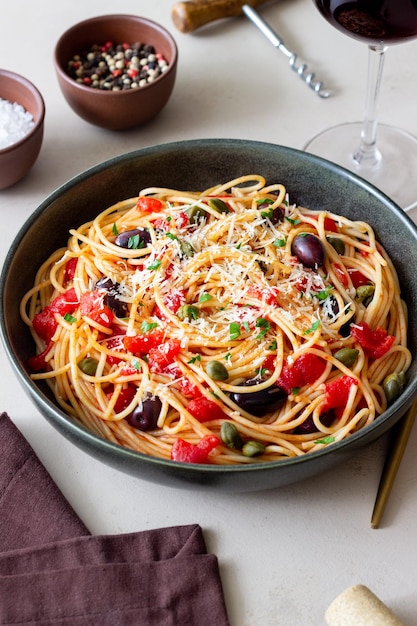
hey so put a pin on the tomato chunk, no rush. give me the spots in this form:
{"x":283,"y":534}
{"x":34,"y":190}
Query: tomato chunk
{"x":358,"y":279}
{"x":187,"y":452}
{"x":205,"y":410}
{"x":304,"y":371}
{"x":162,"y":356}
{"x":37,"y":363}
{"x":337,"y":392}
{"x":375,"y":343}
{"x":44,"y":322}
{"x":149,"y":205}
{"x":70,"y":268}
{"x":141,"y":344}
{"x":124,"y":398}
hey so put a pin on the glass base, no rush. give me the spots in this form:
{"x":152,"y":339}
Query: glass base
{"x":394,"y":174}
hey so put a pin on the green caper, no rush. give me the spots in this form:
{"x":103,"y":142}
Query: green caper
{"x":196,"y":214}
{"x":347,"y":356}
{"x":338,"y":244}
{"x":253,"y":448}
{"x":187,"y":312}
{"x":88,"y":365}
{"x":393,"y":385}
{"x":186,"y":249}
{"x":230,"y":436}
{"x":217,"y":371}
{"x":218,"y":205}
{"x":365,"y":293}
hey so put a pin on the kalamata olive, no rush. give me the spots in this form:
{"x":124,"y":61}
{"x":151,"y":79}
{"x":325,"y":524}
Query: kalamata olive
{"x":345,"y":328}
{"x":309,"y":250}
{"x":111,"y":297}
{"x":107,"y":284}
{"x":275,"y":216}
{"x":259,"y":403}
{"x":308,"y":426}
{"x":135,"y":239}
{"x":146,"y":414}
{"x":119,"y":308}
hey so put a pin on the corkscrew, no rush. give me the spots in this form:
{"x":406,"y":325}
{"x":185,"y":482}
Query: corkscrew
{"x":192,"y":14}
{"x":300,"y":68}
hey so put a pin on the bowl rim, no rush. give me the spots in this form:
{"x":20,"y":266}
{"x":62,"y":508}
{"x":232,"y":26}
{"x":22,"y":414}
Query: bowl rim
{"x":128,"y":93}
{"x":74,"y":430}
{"x":37,"y":97}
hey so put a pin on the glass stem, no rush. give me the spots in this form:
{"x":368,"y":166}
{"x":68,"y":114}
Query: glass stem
{"x":368,"y":155}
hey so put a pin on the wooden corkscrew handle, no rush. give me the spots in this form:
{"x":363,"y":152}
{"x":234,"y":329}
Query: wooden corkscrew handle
{"x":192,"y":14}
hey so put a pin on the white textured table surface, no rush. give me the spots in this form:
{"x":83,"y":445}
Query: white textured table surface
{"x":284,"y":554}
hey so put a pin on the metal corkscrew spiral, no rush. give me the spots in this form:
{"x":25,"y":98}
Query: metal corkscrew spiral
{"x":301,"y":69}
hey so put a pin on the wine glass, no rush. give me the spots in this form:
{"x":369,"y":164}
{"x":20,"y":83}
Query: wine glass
{"x":384,"y":155}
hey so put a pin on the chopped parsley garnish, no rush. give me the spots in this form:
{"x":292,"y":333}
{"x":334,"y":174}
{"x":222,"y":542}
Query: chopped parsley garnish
{"x":70,"y":318}
{"x":272,"y":345}
{"x":314,"y":326}
{"x":204,"y":297}
{"x":172,"y":236}
{"x":155,"y":265}
{"x":136,"y":364}
{"x":115,"y":230}
{"x":293,"y":222}
{"x":234,"y":330}
{"x":145,"y":327}
{"x":195,"y":358}
{"x":279,"y":243}
{"x":322,"y":295}
{"x":133,"y":242}
{"x":328,"y":439}
{"x":262,"y":323}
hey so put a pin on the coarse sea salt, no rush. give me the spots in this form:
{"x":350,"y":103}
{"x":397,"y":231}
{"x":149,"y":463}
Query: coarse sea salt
{"x":15,"y":123}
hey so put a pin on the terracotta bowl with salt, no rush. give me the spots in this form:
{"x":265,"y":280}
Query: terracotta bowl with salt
{"x":22,"y":114}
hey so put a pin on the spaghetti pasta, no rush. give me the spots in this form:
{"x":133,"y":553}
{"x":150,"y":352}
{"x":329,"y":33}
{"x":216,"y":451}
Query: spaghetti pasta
{"x":226,"y":326}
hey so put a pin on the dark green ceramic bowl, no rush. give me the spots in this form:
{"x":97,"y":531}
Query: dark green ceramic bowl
{"x":195,"y":165}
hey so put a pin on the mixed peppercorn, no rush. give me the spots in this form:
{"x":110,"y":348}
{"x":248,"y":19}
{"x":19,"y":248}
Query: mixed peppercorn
{"x":117,"y":67}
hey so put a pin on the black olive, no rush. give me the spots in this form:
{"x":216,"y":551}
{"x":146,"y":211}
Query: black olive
{"x":275,"y":216}
{"x":119,"y":308}
{"x":145,"y":416}
{"x":106,"y":284}
{"x":135,"y":239}
{"x":111,"y":297}
{"x":344,"y":330}
{"x":308,"y":426}
{"x":309,"y":250}
{"x":260,"y":402}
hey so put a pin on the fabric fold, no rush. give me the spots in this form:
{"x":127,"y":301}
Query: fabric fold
{"x":53,"y":572}
{"x":33,"y":510}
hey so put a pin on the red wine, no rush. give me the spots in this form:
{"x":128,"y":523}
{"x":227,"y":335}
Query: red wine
{"x":372,"y":21}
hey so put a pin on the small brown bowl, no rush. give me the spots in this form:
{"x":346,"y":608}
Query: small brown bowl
{"x":116,"y":110}
{"x":17,"y":159}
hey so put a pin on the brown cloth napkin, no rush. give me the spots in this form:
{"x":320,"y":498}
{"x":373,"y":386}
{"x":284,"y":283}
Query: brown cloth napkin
{"x":53,"y":572}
